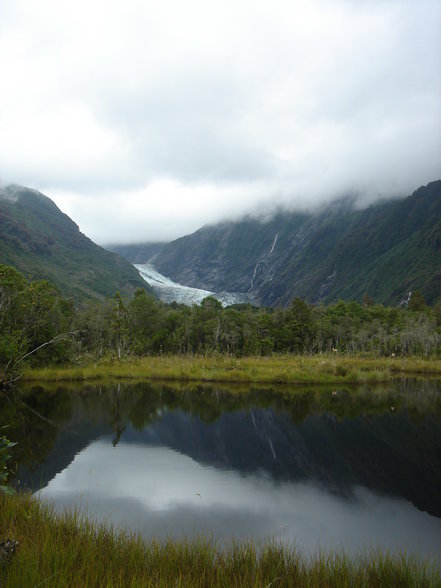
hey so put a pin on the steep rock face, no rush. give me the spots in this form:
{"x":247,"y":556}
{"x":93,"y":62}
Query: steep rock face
{"x":44,"y":243}
{"x":385,"y":250}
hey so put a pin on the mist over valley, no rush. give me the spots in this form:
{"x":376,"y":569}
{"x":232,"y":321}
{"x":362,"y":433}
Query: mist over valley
{"x":339,"y":250}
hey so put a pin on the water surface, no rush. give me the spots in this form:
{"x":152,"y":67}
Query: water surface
{"x":319,"y":467}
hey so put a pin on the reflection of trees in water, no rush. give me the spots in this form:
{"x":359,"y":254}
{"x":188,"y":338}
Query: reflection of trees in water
{"x":116,"y":420}
{"x":33,"y":419}
{"x":35,"y":415}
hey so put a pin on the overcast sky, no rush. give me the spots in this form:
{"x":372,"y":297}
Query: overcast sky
{"x":146,"y":119}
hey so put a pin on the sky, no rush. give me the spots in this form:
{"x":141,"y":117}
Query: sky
{"x":144,"y":120}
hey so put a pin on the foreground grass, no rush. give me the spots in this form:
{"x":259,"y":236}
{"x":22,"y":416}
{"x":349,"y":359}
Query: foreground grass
{"x":282,"y":369}
{"x":69,"y":551}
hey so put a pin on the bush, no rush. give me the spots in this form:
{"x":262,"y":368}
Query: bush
{"x":5,"y":446}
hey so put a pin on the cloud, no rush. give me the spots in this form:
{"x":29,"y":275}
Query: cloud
{"x":161,"y":493}
{"x":160,"y":211}
{"x":181,"y":113}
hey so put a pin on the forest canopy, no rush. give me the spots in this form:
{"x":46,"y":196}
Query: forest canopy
{"x":39,"y":326}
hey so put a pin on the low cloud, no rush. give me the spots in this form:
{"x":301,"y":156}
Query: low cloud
{"x":144,"y":121}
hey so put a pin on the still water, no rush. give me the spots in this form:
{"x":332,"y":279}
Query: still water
{"x":353,"y":468}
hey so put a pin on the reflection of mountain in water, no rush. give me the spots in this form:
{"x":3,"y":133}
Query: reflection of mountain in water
{"x":386,"y":454}
{"x":389,"y":453}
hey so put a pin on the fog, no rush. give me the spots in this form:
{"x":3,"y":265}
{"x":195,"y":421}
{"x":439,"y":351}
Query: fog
{"x":145,"y":120}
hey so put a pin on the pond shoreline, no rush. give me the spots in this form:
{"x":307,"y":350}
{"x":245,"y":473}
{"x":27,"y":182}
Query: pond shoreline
{"x":58,"y":547}
{"x":281,"y":369}
{"x":69,"y":549}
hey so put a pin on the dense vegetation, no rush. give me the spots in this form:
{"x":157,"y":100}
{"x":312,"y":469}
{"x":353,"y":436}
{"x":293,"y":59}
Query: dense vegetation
{"x":33,"y":313}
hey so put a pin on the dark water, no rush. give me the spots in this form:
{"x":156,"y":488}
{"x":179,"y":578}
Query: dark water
{"x":354,"y":468}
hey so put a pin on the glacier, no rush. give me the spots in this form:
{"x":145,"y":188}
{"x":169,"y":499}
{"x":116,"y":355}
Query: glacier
{"x":169,"y":291}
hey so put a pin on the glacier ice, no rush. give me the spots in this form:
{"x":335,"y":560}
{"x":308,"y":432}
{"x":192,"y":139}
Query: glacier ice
{"x":169,"y":291}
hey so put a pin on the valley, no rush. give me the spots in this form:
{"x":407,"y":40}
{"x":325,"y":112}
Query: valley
{"x":339,"y":251}
{"x":220,"y":294}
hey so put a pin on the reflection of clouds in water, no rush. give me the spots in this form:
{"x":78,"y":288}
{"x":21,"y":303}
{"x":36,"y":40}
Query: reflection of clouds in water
{"x":161,"y":492}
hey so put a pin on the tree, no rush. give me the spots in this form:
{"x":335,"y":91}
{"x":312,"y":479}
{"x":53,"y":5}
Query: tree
{"x":143,"y":322}
{"x":119,"y":324}
{"x":30,"y":316}
{"x":300,"y":325}
{"x":367,"y":300}
{"x":417,"y":301}
{"x":12,"y":339}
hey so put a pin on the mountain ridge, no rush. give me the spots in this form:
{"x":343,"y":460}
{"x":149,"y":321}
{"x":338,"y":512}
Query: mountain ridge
{"x":340,"y":251}
{"x":41,"y":241}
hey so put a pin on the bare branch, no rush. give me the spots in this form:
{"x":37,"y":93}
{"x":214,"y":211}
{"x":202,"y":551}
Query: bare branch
{"x":45,"y":344}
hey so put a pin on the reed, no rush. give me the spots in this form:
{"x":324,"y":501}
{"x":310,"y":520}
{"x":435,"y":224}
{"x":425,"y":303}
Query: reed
{"x":68,"y":550}
{"x":282,"y":369}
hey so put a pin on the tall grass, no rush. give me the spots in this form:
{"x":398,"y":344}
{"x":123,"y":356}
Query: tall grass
{"x":68,"y":550}
{"x":282,"y":369}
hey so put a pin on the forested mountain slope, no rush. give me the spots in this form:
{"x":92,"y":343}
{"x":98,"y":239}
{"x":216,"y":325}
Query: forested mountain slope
{"x":44,"y":243}
{"x":339,"y":251}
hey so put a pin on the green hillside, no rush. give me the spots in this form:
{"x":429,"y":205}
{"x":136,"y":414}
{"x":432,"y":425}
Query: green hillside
{"x":44,"y":243}
{"x":339,"y":251}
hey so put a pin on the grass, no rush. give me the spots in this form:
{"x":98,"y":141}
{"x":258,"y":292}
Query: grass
{"x":68,"y":550}
{"x":278,"y":369}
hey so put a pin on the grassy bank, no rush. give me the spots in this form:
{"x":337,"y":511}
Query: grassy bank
{"x":283,"y":369}
{"x":70,"y":551}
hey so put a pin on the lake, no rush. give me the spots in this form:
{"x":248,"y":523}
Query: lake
{"x":319,"y":467}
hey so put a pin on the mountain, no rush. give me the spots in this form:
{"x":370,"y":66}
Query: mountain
{"x":339,"y":251}
{"x":137,"y":252}
{"x":44,"y":243}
